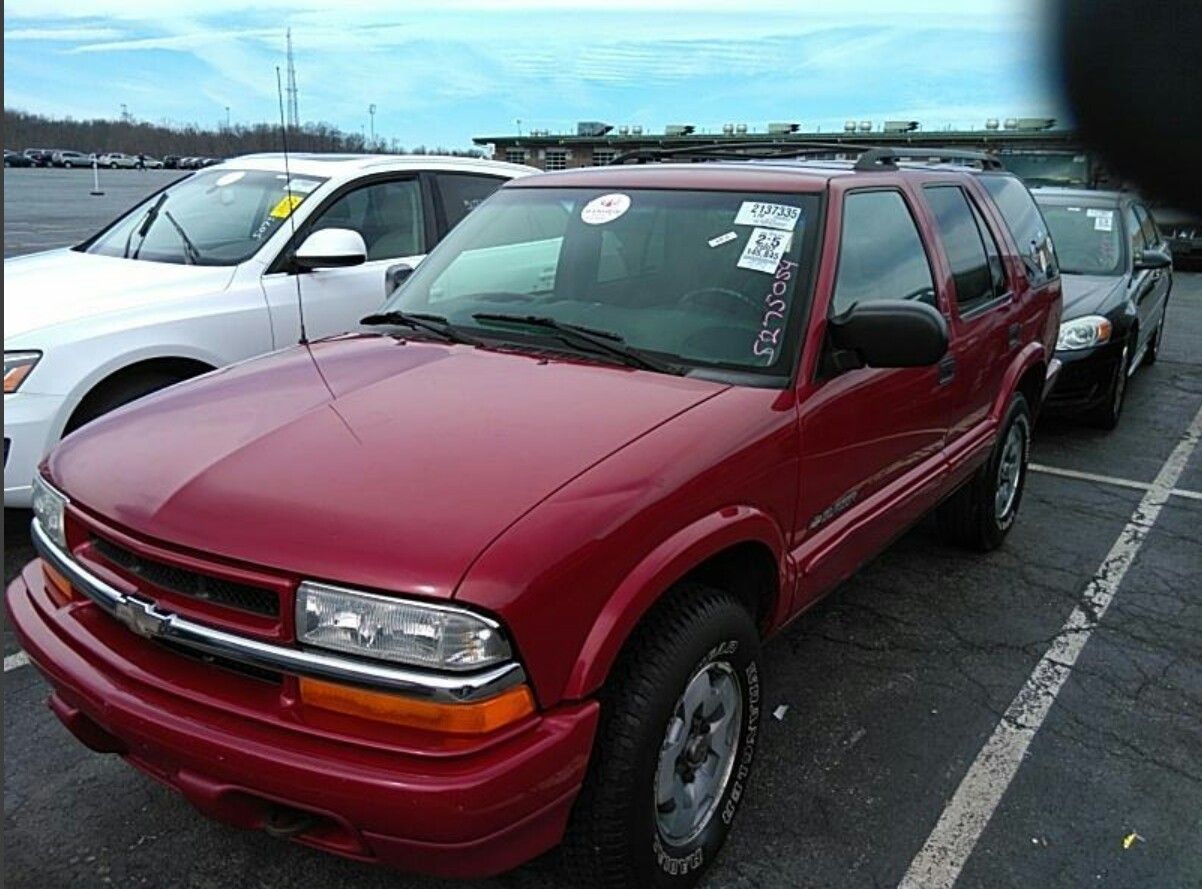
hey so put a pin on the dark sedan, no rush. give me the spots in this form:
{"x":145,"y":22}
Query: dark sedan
{"x":13,"y":159}
{"x":1117,"y":273}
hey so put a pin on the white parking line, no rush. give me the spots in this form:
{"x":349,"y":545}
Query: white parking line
{"x":1109,"y":480}
{"x":939,"y":862}
{"x":12,"y":661}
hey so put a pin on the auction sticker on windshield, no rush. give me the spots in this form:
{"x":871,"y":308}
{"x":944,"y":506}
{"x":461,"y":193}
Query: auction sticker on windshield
{"x":605,"y":209}
{"x":764,"y":250}
{"x":287,"y":204}
{"x":762,"y":214}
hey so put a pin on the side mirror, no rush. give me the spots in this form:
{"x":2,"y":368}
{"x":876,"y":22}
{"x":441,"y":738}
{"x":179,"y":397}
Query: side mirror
{"x":396,"y":276}
{"x":331,"y":248}
{"x":888,"y":333}
{"x":1153,"y":258}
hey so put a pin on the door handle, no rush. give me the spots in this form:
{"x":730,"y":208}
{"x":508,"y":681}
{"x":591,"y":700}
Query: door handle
{"x":947,"y":369}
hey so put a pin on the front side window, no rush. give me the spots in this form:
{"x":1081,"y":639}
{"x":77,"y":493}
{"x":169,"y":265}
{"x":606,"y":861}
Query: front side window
{"x":962,"y":242}
{"x":700,"y":279}
{"x":1147,"y":226}
{"x":388,"y":215}
{"x":1087,"y":238}
{"x":880,"y":253}
{"x":215,"y":217}
{"x":1026,"y":225}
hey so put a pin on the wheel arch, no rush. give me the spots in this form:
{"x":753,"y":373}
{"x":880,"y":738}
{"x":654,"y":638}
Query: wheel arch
{"x":1027,"y":374}
{"x":740,"y":549}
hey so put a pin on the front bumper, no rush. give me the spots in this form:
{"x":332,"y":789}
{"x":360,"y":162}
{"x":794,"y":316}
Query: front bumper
{"x":32,"y":424}
{"x":1085,"y":378}
{"x":242,"y":752}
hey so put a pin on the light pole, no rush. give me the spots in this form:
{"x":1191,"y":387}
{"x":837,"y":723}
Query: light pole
{"x":227,"y":117}
{"x":371,"y":109}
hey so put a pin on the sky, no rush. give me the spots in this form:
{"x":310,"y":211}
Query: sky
{"x":442,"y":72}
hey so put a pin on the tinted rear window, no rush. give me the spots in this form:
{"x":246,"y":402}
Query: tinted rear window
{"x":1026,"y":225}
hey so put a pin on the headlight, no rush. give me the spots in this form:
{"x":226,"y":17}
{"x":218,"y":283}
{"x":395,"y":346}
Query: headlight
{"x":17,"y":366}
{"x":416,"y":633}
{"x":48,"y":507}
{"x":1083,"y":333}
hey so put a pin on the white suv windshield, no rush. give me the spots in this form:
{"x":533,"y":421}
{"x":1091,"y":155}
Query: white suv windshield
{"x":698,"y":278}
{"x":215,"y":217}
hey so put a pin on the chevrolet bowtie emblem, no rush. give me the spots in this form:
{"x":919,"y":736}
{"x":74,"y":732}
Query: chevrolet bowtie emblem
{"x":142,"y":617}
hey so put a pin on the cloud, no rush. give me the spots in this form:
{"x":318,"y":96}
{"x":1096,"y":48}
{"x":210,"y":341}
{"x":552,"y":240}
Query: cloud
{"x":68,"y":35}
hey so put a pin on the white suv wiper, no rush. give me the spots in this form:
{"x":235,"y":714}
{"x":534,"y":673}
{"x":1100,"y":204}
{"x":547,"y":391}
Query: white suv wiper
{"x":588,"y":338}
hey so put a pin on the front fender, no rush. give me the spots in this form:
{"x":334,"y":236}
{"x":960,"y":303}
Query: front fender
{"x":662,"y":567}
{"x":1031,"y":355}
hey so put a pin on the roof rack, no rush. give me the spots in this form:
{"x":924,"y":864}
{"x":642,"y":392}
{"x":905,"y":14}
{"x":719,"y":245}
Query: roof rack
{"x":871,"y":157}
{"x":887,"y":157}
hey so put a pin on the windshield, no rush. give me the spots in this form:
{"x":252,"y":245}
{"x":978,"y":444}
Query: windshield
{"x":697,"y":278}
{"x":1052,"y":168}
{"x":215,"y":217}
{"x":1087,"y":239}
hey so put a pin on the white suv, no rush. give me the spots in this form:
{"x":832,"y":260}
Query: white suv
{"x":204,"y":273}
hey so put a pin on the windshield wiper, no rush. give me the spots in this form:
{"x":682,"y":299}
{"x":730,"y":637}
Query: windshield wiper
{"x":141,"y":230}
{"x":435,"y":324}
{"x":588,"y":338}
{"x":190,"y":250}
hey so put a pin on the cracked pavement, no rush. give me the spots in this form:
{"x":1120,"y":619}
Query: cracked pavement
{"x":893,"y":684}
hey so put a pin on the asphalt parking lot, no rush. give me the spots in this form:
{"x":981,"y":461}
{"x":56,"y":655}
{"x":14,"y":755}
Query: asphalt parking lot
{"x":906,"y":690}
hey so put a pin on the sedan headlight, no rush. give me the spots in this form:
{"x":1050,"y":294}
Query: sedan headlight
{"x":416,"y":633}
{"x":1083,"y":333}
{"x":48,"y":507}
{"x":17,"y":366}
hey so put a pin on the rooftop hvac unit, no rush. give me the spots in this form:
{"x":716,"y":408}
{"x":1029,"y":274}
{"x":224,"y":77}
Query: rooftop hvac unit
{"x":623,"y":130}
{"x":592,"y":128}
{"x":1036,"y":123}
{"x":901,"y":126}
{"x":865,"y":126}
{"x":991,"y":124}
{"x":849,"y":126}
{"x":779,"y":129}
{"x":679,"y":129}
{"x":1011,"y":123}
{"x":741,"y":128}
{"x":728,"y":129}
{"x":637,"y":130}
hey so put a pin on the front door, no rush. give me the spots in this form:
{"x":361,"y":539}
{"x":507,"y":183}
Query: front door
{"x":1151,"y":285}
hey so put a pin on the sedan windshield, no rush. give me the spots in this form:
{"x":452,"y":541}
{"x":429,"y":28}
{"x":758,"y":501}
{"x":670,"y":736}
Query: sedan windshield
{"x":216,"y":217}
{"x":1087,"y":239}
{"x":674,"y":279}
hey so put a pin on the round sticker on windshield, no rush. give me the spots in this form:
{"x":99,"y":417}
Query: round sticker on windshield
{"x":231,"y":178}
{"x":605,"y":209}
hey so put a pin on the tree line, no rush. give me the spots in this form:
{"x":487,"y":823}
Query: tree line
{"x":23,"y":129}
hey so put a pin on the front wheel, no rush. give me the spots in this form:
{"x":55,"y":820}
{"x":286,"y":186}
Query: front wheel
{"x":1158,"y":338}
{"x":679,"y":729}
{"x":1106,"y":415}
{"x":981,"y":513}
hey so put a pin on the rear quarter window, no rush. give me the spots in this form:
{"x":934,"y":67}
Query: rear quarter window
{"x":1026,"y":225}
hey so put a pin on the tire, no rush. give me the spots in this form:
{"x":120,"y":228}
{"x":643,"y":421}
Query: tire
{"x":1153,"y":352}
{"x":1107,"y":414}
{"x":699,"y":640}
{"x":67,"y":164}
{"x":980,"y":514}
{"x":112,"y":166}
{"x":109,"y":397}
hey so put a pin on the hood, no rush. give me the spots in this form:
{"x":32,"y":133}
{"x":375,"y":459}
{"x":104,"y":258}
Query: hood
{"x":60,"y":286}
{"x":1087,"y":294}
{"x":375,"y":462}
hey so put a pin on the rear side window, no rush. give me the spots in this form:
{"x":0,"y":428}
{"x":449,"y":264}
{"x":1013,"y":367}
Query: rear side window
{"x":1026,"y":225}
{"x":880,"y":253}
{"x":963,"y":245}
{"x":461,"y":193}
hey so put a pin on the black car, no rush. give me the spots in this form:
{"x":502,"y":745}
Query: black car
{"x":1116,"y":271}
{"x":13,"y":159}
{"x":40,"y":157}
{"x":1183,"y":230}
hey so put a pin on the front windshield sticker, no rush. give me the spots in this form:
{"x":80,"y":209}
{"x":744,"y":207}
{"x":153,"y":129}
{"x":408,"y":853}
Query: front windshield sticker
{"x":1103,"y":220}
{"x":287,"y":204}
{"x":764,"y":250}
{"x":230,"y":178}
{"x":605,"y":209}
{"x":767,"y":341}
{"x":722,"y":239}
{"x":780,"y":216}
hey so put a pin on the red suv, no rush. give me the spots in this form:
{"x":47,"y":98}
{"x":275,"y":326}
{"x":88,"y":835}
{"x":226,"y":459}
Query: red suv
{"x":495,"y":574}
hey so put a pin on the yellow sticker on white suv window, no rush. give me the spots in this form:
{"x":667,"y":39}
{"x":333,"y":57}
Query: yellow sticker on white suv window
{"x":287,"y":204}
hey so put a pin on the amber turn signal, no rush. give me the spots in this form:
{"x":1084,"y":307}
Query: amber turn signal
{"x":474,"y":718}
{"x":57,"y":586}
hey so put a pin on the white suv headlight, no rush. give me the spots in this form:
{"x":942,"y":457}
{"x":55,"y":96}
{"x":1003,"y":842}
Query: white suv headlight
{"x":48,"y":507}
{"x":1083,"y":333}
{"x":417,"y":633}
{"x":17,"y":366}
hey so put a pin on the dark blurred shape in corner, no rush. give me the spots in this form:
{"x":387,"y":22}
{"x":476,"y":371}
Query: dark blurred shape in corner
{"x":1132,"y":74}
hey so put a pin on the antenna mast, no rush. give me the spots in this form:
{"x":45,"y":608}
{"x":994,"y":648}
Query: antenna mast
{"x":293,"y":106}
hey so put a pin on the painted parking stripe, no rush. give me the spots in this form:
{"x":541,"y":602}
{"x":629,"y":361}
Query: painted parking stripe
{"x":1109,"y":480}
{"x":12,"y":661}
{"x":939,"y":862}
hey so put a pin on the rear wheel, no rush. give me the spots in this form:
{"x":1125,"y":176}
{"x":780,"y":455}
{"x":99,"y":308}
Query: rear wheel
{"x":981,"y":513}
{"x":679,"y":729}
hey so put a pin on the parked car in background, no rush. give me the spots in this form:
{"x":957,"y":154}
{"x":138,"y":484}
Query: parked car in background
{"x":1183,"y":231}
{"x":115,"y":160}
{"x":504,"y":567}
{"x":1117,"y":272}
{"x":70,"y":159}
{"x":13,"y":159}
{"x":40,"y":156}
{"x":151,"y":163}
{"x":204,"y":272}
{"x":170,"y":161}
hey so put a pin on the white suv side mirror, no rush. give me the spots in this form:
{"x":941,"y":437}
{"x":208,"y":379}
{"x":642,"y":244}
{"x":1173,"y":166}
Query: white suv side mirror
{"x":331,"y":248}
